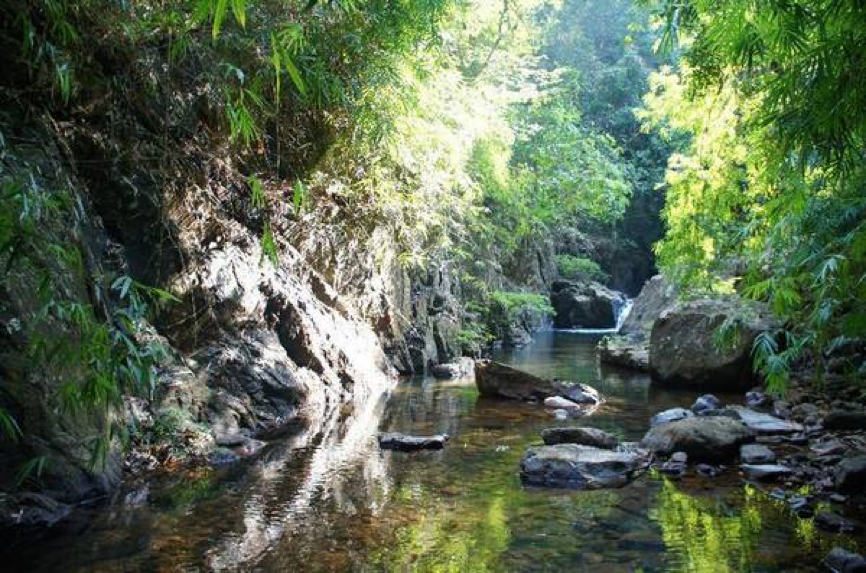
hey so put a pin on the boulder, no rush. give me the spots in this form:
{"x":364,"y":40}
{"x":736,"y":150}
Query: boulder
{"x":461,"y":368}
{"x":581,"y":436}
{"x":669,"y":416}
{"x":845,"y":420}
{"x":756,"y":399}
{"x":585,"y":304}
{"x":706,"y":403}
{"x":656,"y":296}
{"x":765,"y":472}
{"x":708,"y":438}
{"x":406,"y":443}
{"x":851,"y":475}
{"x":841,"y":561}
{"x":579,"y":467}
{"x":756,"y":454}
{"x":497,"y":380}
{"x":763,"y":424}
{"x":626,"y":351}
{"x":829,"y":521}
{"x":682,"y":348}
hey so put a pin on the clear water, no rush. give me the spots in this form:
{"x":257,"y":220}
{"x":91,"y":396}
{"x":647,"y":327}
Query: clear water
{"x":332,"y":501}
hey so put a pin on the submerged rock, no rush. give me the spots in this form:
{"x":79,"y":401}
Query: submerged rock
{"x":669,"y":416}
{"x":682,"y":342}
{"x":579,"y":435}
{"x":584,"y":304}
{"x":579,"y":467}
{"x":406,"y":443}
{"x":711,"y":438}
{"x":756,"y":454}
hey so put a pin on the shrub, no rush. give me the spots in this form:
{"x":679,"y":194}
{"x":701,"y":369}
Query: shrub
{"x":579,"y":268}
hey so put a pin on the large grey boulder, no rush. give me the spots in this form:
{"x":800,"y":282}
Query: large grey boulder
{"x":656,"y":296}
{"x":460,"y":368}
{"x":705,"y":438}
{"x":497,"y":380}
{"x":683,"y":350}
{"x":579,"y":435}
{"x":626,"y":351}
{"x":841,"y":561}
{"x":579,"y":467}
{"x":584,"y":304}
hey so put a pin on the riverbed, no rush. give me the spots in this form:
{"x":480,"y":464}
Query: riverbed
{"x":331,"y":500}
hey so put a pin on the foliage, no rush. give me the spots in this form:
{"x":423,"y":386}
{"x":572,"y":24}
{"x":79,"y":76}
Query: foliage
{"x":771,"y":188}
{"x":579,"y":268}
{"x":514,"y":304}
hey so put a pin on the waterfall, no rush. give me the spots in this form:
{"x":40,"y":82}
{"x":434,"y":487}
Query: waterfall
{"x":621,"y":308}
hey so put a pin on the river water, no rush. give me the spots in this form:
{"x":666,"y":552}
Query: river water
{"x":331,"y":500}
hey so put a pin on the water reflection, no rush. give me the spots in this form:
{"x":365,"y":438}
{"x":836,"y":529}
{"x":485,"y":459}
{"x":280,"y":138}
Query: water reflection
{"x":325,"y":498}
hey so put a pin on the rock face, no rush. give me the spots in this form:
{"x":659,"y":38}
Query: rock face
{"x":584,"y":305}
{"x":682,"y":346}
{"x":406,"y":443}
{"x":706,"y":438}
{"x":581,"y":436}
{"x":500,"y":381}
{"x":578,"y":467}
{"x":630,"y":348}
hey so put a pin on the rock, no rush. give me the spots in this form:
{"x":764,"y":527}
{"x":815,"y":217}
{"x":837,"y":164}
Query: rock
{"x":560,"y":414}
{"x":841,"y":561}
{"x":579,"y":435}
{"x":580,"y":393}
{"x":579,"y":467}
{"x":497,"y":380}
{"x":831,"y":522}
{"x":765,"y":472}
{"x":763,"y":424}
{"x":706,"y":403}
{"x":676,"y":465}
{"x":560,"y":403}
{"x":669,"y":416}
{"x":462,"y":368}
{"x":625,"y":351}
{"x":756,"y":399}
{"x":710,"y":438}
{"x":406,"y":443}
{"x":800,"y":506}
{"x":829,"y":448}
{"x":28,"y":512}
{"x":682,"y":346}
{"x":707,"y":470}
{"x":585,"y":304}
{"x":851,"y":475}
{"x":845,"y":420}
{"x":655,"y":297}
{"x":756,"y":454}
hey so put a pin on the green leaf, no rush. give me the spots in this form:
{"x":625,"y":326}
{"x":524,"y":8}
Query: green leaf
{"x":218,"y":16}
{"x":239,"y":9}
{"x":294,"y":74}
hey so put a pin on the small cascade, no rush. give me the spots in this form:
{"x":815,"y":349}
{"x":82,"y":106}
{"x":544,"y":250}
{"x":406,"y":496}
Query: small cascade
{"x":622,"y":308}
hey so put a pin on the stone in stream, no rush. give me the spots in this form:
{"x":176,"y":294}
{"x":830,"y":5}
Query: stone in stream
{"x":676,"y":465}
{"x":756,"y":454}
{"x":626,"y":351}
{"x":851,"y":475}
{"x":406,"y":443}
{"x":763,"y":424}
{"x":765,"y":472}
{"x":682,"y":349}
{"x":669,"y":416}
{"x":579,"y":467}
{"x":756,"y":399}
{"x":584,"y":304}
{"x":710,"y":438}
{"x":831,"y":522}
{"x":497,"y":380}
{"x":841,"y":561}
{"x":578,"y":435}
{"x":706,"y":403}
{"x":462,"y":368}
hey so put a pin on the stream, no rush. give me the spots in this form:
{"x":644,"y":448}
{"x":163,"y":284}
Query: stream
{"x":331,"y":500}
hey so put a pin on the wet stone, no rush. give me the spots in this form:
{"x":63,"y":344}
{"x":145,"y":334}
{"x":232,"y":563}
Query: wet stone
{"x":669,"y":416}
{"x":850,"y":475}
{"x":764,"y":423}
{"x":712,"y":438}
{"x":579,"y":435}
{"x":756,"y":454}
{"x":707,"y":470}
{"x":406,"y":443}
{"x":560,"y":403}
{"x":756,"y":399}
{"x":706,"y":403}
{"x":578,"y":467}
{"x":765,"y":472}
{"x":832,"y":522}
